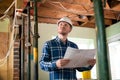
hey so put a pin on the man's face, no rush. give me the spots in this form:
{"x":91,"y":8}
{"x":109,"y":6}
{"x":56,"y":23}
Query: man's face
{"x":63,"y":28}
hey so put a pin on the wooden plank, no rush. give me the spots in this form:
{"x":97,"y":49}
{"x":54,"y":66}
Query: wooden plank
{"x":52,"y":21}
{"x":108,"y":22}
{"x":72,"y":8}
{"x":88,"y":24}
{"x":47,"y":20}
{"x":4,"y":5}
{"x":80,"y":9}
{"x":3,"y":44}
{"x":79,"y":2}
{"x":116,"y":8}
{"x":111,"y":14}
{"x":21,"y":4}
{"x":44,"y":12}
{"x":3,"y":52}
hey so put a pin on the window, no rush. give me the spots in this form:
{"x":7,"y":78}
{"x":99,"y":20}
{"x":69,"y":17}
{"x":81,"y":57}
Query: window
{"x":114,"y":52}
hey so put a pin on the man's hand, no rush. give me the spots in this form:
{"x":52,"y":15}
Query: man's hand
{"x":92,"y":62}
{"x":62,"y":62}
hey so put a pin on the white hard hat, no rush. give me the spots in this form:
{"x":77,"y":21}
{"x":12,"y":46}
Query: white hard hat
{"x":65,"y":19}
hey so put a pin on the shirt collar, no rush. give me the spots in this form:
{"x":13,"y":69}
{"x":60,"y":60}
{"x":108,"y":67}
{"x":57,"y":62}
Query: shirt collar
{"x":59,"y":40}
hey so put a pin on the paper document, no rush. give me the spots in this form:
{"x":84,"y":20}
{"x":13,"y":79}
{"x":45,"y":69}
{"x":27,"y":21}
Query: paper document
{"x":78,"y":57}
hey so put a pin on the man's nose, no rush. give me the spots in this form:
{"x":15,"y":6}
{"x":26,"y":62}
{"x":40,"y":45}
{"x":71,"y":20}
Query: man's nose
{"x":63,"y":25}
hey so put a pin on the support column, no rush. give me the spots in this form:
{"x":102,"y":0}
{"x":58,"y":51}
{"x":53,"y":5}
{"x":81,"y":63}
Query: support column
{"x":35,"y":42}
{"x":102,"y":56}
{"x":28,"y":42}
{"x":22,"y":50}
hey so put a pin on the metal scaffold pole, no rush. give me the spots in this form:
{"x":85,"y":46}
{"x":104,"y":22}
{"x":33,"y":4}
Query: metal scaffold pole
{"x":22,"y":50}
{"x":102,"y":56}
{"x":35,"y":42}
{"x":28,"y":42}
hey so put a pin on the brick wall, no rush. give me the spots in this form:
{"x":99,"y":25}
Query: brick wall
{"x":16,"y":75}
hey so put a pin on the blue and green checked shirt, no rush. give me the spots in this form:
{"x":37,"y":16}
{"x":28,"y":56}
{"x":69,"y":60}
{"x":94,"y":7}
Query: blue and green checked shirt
{"x":54,"y":50}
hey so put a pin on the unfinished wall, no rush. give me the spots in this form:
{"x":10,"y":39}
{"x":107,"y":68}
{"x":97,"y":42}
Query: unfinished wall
{"x":3,"y":52}
{"x":113,"y":32}
{"x":3,"y":44}
{"x":5,"y":63}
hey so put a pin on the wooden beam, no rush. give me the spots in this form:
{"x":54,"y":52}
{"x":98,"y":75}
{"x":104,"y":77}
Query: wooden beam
{"x":116,"y":8}
{"x":47,"y":20}
{"x":80,"y":2}
{"x":4,"y":5}
{"x":80,"y":10}
{"x":72,"y":8}
{"x":45,"y":12}
{"x":88,"y":24}
{"x":52,"y":21}
{"x":108,"y":22}
{"x":53,"y":9}
{"x":20,"y":4}
{"x":111,"y":14}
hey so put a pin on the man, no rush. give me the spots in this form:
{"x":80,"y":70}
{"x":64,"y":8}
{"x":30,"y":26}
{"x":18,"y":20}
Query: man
{"x":54,"y":50}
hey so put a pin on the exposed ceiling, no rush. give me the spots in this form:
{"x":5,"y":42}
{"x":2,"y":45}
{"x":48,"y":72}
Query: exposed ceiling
{"x":81,"y":12}
{"x":4,"y":5}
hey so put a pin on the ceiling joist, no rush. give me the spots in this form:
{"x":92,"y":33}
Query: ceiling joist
{"x":81,"y":12}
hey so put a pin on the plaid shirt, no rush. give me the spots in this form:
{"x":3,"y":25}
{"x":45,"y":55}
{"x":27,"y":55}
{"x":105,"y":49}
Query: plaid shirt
{"x":54,"y":50}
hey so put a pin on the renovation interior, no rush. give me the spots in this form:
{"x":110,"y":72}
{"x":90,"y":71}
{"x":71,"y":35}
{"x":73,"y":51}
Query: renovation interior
{"x":18,"y":21}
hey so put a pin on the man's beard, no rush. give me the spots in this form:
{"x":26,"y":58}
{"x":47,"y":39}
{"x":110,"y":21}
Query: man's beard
{"x":63,"y":34}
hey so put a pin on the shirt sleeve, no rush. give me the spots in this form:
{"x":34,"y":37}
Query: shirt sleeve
{"x":45,"y":61}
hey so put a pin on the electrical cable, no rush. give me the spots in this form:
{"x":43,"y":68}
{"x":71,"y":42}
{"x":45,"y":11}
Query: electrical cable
{"x":13,"y":35}
{"x":3,"y":60}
